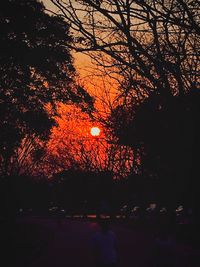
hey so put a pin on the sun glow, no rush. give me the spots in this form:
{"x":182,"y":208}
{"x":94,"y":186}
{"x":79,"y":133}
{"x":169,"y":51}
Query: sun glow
{"x":95,"y":131}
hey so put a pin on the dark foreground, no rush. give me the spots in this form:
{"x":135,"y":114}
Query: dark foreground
{"x":46,"y":242}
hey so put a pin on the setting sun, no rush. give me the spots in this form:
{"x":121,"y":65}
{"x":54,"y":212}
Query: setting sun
{"x":95,"y":131}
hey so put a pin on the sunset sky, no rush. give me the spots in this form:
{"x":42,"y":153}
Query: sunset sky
{"x":102,"y":88}
{"x":105,"y":90}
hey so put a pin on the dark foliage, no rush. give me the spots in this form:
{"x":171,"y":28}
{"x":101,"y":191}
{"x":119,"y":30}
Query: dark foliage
{"x":72,"y":188}
{"x":165,"y":132}
{"x":36,"y":68}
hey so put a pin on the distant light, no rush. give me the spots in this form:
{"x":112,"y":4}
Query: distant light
{"x":95,"y":131}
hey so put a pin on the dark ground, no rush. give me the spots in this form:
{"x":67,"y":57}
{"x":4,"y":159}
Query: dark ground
{"x":44,"y":242}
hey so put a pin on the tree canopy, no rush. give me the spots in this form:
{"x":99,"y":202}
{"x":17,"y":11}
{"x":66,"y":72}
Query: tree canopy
{"x":153,"y":47}
{"x":155,"y":42}
{"x":36,"y":69}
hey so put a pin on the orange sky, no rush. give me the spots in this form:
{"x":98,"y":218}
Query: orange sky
{"x":72,"y":145}
{"x":101,"y":88}
{"x":71,"y":141}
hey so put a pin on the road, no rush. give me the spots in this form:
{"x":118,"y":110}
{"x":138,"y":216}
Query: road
{"x":71,"y":245}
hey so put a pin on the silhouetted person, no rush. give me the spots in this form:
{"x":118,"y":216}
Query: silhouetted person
{"x":105,"y":245}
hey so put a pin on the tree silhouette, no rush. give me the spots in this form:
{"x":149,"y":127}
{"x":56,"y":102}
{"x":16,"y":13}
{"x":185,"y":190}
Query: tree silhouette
{"x":154,"y":48}
{"x":164,"y":133}
{"x":155,"y":40}
{"x":36,"y":69}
